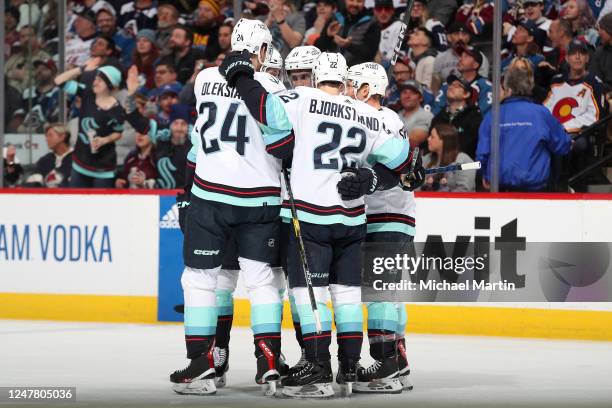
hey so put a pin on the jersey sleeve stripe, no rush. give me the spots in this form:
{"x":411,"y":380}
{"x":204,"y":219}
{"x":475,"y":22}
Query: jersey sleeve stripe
{"x":394,"y":154}
{"x":262,"y":109}
{"x":237,"y":191}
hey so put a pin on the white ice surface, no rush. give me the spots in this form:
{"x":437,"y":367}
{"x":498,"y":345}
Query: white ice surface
{"x":128,"y":364}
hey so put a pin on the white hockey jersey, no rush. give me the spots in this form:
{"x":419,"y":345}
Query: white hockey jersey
{"x":576,"y":103}
{"x":333,"y":132}
{"x":232,"y":165}
{"x":392,"y":210}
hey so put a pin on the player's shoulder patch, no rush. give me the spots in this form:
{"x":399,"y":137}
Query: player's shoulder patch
{"x":269,"y":82}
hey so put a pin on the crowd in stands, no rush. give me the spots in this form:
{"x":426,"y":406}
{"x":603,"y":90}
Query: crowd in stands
{"x":131,"y":68}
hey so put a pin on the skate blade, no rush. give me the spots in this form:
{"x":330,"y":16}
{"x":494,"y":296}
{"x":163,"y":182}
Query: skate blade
{"x":197,"y":387}
{"x":270,"y":389}
{"x":309,"y":391}
{"x":387,"y":386}
{"x":221,"y":382}
{"x":406,"y":383}
{"x":346,"y":389}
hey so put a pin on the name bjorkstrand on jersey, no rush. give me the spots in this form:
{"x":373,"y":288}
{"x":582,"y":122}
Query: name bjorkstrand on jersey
{"x":335,"y":110}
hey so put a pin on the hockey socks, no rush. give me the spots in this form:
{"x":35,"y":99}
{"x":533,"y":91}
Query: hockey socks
{"x":349,"y":326}
{"x":225,"y":317}
{"x":382,"y":326}
{"x":295,"y":316}
{"x":316,"y":345}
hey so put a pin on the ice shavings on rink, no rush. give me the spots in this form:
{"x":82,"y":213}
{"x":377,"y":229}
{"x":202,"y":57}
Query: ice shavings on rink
{"x":127,"y":364}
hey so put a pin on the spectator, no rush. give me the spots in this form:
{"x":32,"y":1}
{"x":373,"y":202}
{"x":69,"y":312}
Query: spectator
{"x":172,"y":153}
{"x":444,"y":150}
{"x":477,"y":16}
{"x":78,"y":47}
{"x":12,"y":168}
{"x":44,"y":105}
{"x":138,"y":15}
{"x":576,"y":98}
{"x":529,"y":136}
{"x":389,"y":26}
{"x":442,"y":10}
{"x":107,"y":25}
{"x":206,"y":27}
{"x":11,"y":34}
{"x":461,"y":113}
{"x":422,"y":54}
{"x":167,"y":19}
{"x":446,"y":62}
{"x":167,"y":97}
{"x":104,"y":47}
{"x":416,"y":119}
{"x":53,"y":169}
{"x":524,"y":45}
{"x":16,"y":68}
{"x":225,"y":39}
{"x":29,"y":13}
{"x":165,"y":74}
{"x":139,"y":170}
{"x":100,"y":123}
{"x":13,"y":103}
{"x":402,"y":71}
{"x":355,"y":34}
{"x":144,"y":57}
{"x":325,"y":11}
{"x":534,"y":12}
{"x":286,"y":25}
{"x":419,"y":17}
{"x":560,"y":34}
{"x":580,"y":16}
{"x":470,"y":61}
{"x":601,"y":63}
{"x":183,"y":57}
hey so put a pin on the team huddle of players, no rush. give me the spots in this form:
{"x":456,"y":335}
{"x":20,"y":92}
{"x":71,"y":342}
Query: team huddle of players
{"x":351,"y":175}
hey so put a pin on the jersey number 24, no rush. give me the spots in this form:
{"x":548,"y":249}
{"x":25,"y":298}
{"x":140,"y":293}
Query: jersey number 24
{"x":212,"y":145}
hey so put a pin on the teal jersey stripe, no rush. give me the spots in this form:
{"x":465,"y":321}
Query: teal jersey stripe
{"x":201,"y":316}
{"x":307,"y":321}
{"x":200,"y":330}
{"x":224,"y":297}
{"x":391,"y":227}
{"x":266,"y":328}
{"x":393,"y":152}
{"x":266,"y":314}
{"x":94,"y":174}
{"x":349,"y":317}
{"x":225,"y":310}
{"x":237,"y":201}
{"x":278,"y":125}
{"x":324,"y":219}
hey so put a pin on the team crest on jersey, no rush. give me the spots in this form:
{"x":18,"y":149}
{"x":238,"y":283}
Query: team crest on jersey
{"x":563,"y":109}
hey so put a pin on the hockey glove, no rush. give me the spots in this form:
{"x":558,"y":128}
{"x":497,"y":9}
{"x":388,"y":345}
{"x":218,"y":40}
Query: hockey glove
{"x":416,"y":173}
{"x":235,"y":64}
{"x":182,"y":203}
{"x":356,"y":183}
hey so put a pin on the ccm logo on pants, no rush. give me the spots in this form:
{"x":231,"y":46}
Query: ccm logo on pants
{"x":205,"y":252}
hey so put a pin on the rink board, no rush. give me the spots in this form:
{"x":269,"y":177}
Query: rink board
{"x":109,"y":256}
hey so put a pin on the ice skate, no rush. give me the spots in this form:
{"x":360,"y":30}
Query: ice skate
{"x":267,"y":367}
{"x":404,"y":367}
{"x":313,"y":380}
{"x":198,"y":378}
{"x":347,"y":376}
{"x":298,"y":366}
{"x":381,"y":377}
{"x":221,"y":356}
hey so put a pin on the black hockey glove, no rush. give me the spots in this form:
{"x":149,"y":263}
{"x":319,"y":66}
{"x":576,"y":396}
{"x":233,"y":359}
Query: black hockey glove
{"x":235,"y":64}
{"x":182,"y":202}
{"x":416,"y":173}
{"x":356,"y":183}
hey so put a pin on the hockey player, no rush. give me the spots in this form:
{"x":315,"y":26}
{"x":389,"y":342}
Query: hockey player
{"x":299,"y":63}
{"x":324,"y":132}
{"x":274,"y":65}
{"x":390,"y":219}
{"x":236,"y":193}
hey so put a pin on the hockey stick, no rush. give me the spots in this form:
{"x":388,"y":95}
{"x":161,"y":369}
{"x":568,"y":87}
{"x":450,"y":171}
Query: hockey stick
{"x":453,"y":167}
{"x":302,"y":250}
{"x":402,"y":32}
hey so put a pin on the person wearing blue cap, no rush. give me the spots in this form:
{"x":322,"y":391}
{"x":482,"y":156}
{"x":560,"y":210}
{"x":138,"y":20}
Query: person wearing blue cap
{"x":101,"y":120}
{"x":172,"y":153}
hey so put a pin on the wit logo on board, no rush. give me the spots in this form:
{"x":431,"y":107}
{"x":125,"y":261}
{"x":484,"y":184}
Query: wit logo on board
{"x":60,"y":243}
